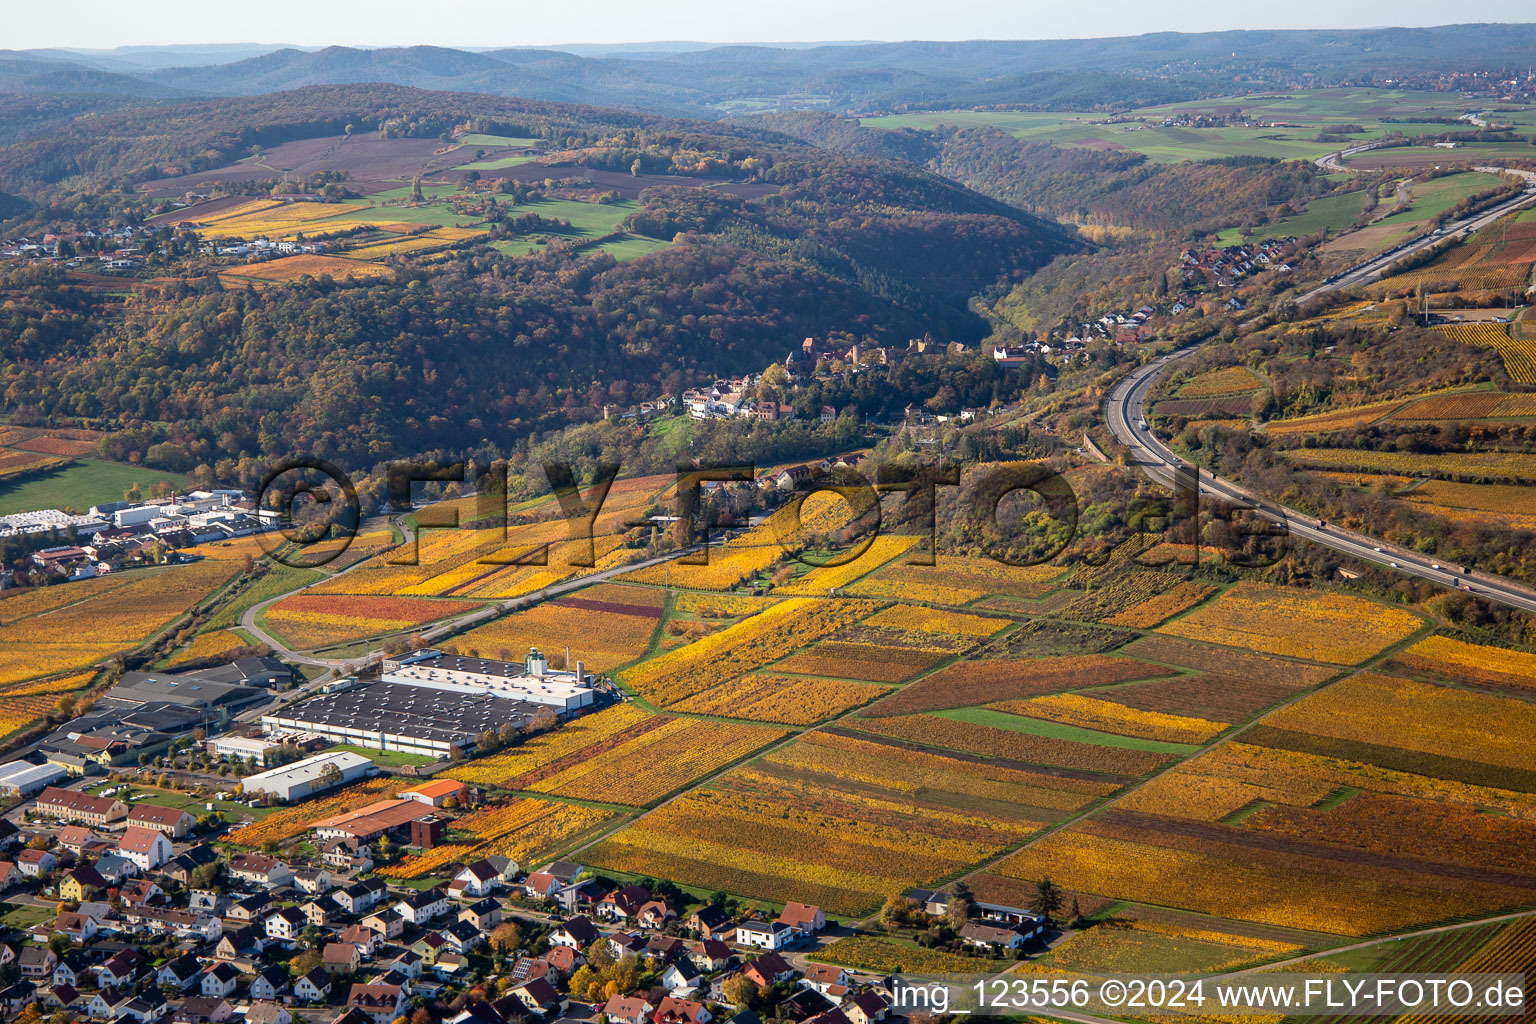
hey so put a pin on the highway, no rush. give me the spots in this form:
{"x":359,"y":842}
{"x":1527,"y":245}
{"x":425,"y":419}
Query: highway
{"x":1124,"y":413}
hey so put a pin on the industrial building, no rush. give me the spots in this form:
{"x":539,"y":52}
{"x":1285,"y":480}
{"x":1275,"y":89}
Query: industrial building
{"x":231,"y":747}
{"x":532,"y":680}
{"x":305,"y":778}
{"x":189,"y":690}
{"x":23,"y":778}
{"x":398,"y":717}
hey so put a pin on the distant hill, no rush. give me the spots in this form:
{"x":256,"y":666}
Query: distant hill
{"x":1112,"y":73}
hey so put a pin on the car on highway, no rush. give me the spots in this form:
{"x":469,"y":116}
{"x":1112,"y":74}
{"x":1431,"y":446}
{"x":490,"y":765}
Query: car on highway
{"x":1377,"y":549}
{"x":1394,"y":565}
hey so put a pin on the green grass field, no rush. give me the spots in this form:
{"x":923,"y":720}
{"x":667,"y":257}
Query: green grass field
{"x":390,"y":758}
{"x":631,"y":246}
{"x":83,"y":483}
{"x":428,"y":190}
{"x":1300,"y":117}
{"x":486,"y":141}
{"x":1335,"y":213}
{"x":496,"y":163}
{"x":1055,"y":730}
{"x":1420,"y":157}
{"x":1432,"y":198}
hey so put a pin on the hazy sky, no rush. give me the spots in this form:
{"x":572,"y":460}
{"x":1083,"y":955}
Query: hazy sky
{"x":481,"y":23}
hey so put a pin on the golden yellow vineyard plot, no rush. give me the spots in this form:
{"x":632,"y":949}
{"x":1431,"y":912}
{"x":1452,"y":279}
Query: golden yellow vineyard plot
{"x":1133,"y":946}
{"x":1515,"y":405}
{"x":1514,"y":465}
{"x":1160,"y":607}
{"x":1219,"y":782}
{"x":1509,"y":504}
{"x":1458,"y":659}
{"x":749,"y":644}
{"x":208,"y":645}
{"x":1227,"y":380}
{"x":657,"y":763}
{"x":821,"y":581}
{"x":1320,"y":625}
{"x":1409,"y":715}
{"x":1519,"y":356}
{"x":781,"y":699}
{"x":513,"y":769}
{"x":291,"y":268}
{"x":19,"y":604}
{"x":934,"y":620}
{"x":891,"y":590}
{"x":524,"y":830}
{"x":979,"y":574}
{"x":602,"y":634}
{"x":63,"y":684}
{"x":1337,"y":419}
{"x":719,"y":606}
{"x":1317,"y":773}
{"x":1244,"y":883}
{"x":70,"y":637}
{"x":1107,"y":716}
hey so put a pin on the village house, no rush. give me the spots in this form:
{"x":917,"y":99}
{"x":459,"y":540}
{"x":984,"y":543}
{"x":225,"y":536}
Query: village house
{"x":712,"y":922}
{"x":769,"y":935}
{"x":286,"y":924}
{"x":364,"y":939}
{"x":829,"y":980}
{"x":803,"y":917}
{"x":173,"y":821}
{"x":82,"y":883}
{"x":270,"y":982}
{"x":259,"y":869}
{"x":768,"y":969}
{"x":121,"y":968}
{"x":991,"y":936}
{"x":71,"y":805}
{"x":34,"y":863}
{"x":672,"y":1010}
{"x":340,"y":958}
{"x":387,"y":923}
{"x":866,"y":1007}
{"x":578,"y":933}
{"x":220,"y":981}
{"x":475,"y":881}
{"x":181,"y":973}
{"x":710,"y":955}
{"x":381,"y":1003}
{"x":421,"y":907}
{"x":37,"y":962}
{"x":315,"y":987}
{"x":73,"y":969}
{"x":320,"y":914}
{"x":627,"y":1010}
{"x":484,"y":915}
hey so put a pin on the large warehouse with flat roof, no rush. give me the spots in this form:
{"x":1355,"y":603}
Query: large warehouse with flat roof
{"x":307,"y":777}
{"x":531,"y":681}
{"x":397,"y":717}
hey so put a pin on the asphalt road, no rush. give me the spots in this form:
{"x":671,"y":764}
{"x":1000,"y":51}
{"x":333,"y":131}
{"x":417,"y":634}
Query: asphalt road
{"x":1124,"y":411}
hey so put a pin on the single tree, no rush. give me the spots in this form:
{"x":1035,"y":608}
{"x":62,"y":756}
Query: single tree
{"x":1048,"y":898}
